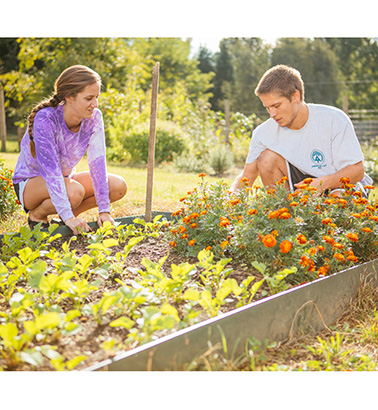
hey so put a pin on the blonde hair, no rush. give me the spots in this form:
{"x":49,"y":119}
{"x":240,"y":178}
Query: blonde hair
{"x":71,"y":81}
{"x":283,"y":79}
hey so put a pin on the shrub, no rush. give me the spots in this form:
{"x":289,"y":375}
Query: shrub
{"x":133,"y":145}
{"x":8,"y":199}
{"x":221,"y":159}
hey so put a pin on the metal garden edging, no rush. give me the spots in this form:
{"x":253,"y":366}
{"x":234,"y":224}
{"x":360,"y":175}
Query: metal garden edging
{"x":275,"y":318}
{"x":127,"y":220}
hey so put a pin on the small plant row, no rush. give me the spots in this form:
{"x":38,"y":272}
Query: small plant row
{"x":49,"y":294}
{"x":311,"y":234}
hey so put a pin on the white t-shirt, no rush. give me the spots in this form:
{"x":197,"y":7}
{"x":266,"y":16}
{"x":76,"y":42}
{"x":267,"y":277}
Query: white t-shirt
{"x":323,"y":146}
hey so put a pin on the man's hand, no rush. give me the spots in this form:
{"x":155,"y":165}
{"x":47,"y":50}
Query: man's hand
{"x":317,"y":183}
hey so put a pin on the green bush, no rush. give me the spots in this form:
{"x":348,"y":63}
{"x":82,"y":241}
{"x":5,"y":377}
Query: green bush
{"x":221,"y":159}
{"x":8,"y":199}
{"x":133,"y":146}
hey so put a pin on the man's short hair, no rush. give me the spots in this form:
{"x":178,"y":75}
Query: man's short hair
{"x":282,"y":79}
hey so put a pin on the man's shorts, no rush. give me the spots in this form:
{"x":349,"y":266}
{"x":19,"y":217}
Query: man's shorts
{"x":295,"y":176}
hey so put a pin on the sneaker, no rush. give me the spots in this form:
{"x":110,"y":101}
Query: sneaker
{"x":33,"y":224}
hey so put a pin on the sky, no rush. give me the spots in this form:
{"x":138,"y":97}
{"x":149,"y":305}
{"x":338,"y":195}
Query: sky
{"x":202,"y":19}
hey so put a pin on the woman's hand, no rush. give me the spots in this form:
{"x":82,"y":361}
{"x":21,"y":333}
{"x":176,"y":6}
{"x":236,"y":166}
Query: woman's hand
{"x":76,"y":224}
{"x":104,"y":216}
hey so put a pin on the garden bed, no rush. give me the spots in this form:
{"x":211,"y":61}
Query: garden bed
{"x":91,"y":341}
{"x":73,"y":302}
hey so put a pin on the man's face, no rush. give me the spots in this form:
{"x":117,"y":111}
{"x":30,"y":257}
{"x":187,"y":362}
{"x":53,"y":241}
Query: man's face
{"x":282,"y":110}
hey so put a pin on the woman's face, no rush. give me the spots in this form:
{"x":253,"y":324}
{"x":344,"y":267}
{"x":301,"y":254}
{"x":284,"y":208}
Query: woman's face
{"x":84,"y":103}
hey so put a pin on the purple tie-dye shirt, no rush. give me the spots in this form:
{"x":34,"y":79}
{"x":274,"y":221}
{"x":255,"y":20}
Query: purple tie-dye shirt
{"x":59,"y":150}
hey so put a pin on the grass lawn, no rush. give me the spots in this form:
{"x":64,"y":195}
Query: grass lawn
{"x":168,"y":188}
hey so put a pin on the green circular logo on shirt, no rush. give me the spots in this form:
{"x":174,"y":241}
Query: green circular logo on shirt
{"x":317,"y":157}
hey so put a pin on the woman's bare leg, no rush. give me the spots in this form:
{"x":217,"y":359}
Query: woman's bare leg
{"x":117,"y":190}
{"x":37,"y":198}
{"x":79,"y":190}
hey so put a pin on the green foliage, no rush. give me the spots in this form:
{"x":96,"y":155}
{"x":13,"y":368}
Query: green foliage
{"x":221,"y":159}
{"x":132,"y":144}
{"x":8,"y":199}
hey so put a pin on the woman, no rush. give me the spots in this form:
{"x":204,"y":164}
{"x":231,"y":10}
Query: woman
{"x":60,"y":131}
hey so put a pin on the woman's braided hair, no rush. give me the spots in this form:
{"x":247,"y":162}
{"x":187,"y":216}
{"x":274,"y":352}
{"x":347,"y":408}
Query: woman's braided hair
{"x":72,"y":81}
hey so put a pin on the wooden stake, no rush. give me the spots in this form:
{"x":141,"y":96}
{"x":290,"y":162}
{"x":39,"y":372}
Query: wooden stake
{"x":151,"y":145}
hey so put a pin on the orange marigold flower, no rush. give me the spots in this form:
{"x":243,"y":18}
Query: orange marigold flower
{"x":329,"y":239}
{"x":182,"y":229}
{"x":369,"y":187}
{"x":338,"y":245}
{"x":203,"y":212}
{"x":172,"y":244}
{"x":301,"y":239}
{"x":202,"y":175}
{"x":294,"y":203}
{"x":186,"y":220}
{"x":252,"y":212}
{"x":340,"y":257}
{"x":312,"y":251}
{"x":285,"y":215}
{"x":352,"y":236}
{"x":193,"y":225}
{"x":323,"y":271}
{"x":344,"y":180}
{"x":326,"y":221}
{"x":307,"y":181}
{"x":245,"y":179}
{"x":235,"y":201}
{"x":275,"y":233}
{"x":207,"y":248}
{"x":183,"y":199}
{"x":342,"y":201}
{"x":224,"y":222}
{"x":184,"y":236}
{"x":366,"y":229}
{"x":321,"y":248}
{"x":305,"y":261}
{"x":285,"y":246}
{"x":273,"y":215}
{"x":224,"y":244}
{"x":174,"y":231}
{"x":192,"y":242}
{"x":194,"y":215}
{"x":352,"y":258}
{"x":178,"y":212}
{"x":282,"y":180}
{"x":269,"y":241}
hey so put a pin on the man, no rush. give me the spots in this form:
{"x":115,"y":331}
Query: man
{"x":301,"y":140}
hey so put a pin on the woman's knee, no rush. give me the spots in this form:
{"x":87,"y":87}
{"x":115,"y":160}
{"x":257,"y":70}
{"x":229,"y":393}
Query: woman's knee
{"x":117,"y":187}
{"x":75,"y":193}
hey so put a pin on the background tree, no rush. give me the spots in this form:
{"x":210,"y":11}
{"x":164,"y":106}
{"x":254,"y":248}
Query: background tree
{"x":357,"y":60}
